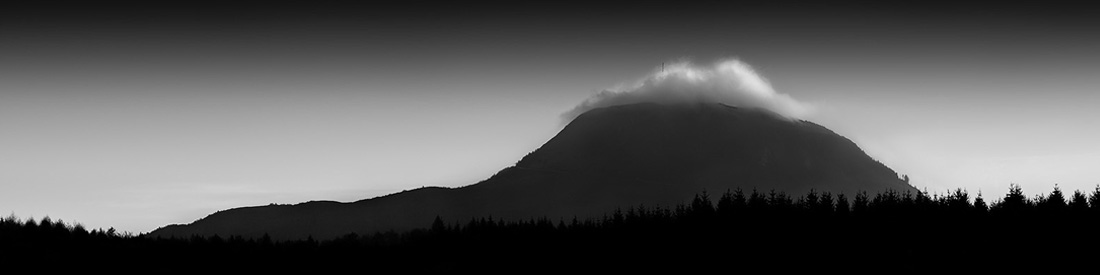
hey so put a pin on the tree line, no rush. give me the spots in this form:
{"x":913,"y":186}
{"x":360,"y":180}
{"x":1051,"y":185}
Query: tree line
{"x":889,"y":229}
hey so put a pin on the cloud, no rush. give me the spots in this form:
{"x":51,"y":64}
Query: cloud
{"x":730,"y":81}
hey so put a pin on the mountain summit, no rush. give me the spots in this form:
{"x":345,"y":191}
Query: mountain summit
{"x":607,"y":158}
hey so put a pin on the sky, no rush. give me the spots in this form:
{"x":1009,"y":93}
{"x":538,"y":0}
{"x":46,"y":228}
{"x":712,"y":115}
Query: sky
{"x":137,"y":117}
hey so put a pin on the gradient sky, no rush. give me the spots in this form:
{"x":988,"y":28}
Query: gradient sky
{"x":137,"y":117}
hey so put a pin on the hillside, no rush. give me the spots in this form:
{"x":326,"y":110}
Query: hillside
{"x":638,"y":154}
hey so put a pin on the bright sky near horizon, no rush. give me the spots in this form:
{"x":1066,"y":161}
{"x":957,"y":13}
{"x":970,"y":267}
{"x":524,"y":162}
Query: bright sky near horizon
{"x":135,"y":118}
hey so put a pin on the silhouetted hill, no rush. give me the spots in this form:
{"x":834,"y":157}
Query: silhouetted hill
{"x":638,"y":154}
{"x":884,"y":231}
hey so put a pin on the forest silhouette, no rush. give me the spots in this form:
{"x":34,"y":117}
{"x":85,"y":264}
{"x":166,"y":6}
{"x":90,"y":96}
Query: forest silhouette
{"x":738,"y":228}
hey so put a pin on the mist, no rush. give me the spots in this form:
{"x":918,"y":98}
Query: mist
{"x":727,"y":81}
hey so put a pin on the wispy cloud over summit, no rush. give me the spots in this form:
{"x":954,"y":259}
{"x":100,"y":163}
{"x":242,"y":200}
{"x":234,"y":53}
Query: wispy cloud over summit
{"x":728,"y":81}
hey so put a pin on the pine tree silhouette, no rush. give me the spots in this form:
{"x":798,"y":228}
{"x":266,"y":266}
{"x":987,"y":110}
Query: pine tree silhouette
{"x":979,"y":205}
{"x":1094,"y":200}
{"x":438,"y":226}
{"x":860,"y":203}
{"x":1014,"y":203}
{"x":1054,"y":203}
{"x":842,"y":207}
{"x":1079,"y":202}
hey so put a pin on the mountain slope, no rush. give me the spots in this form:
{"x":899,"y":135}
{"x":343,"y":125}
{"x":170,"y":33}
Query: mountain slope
{"x":618,"y":156}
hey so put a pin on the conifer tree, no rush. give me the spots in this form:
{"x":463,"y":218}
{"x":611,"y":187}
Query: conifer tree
{"x":842,"y":207}
{"x":1094,"y":199}
{"x":438,"y":226}
{"x":859,"y":205}
{"x":1055,"y":202}
{"x":1079,"y":202}
{"x":1014,"y":202}
{"x":979,"y":204}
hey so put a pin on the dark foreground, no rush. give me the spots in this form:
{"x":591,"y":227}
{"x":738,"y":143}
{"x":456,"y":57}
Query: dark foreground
{"x":890,"y":232}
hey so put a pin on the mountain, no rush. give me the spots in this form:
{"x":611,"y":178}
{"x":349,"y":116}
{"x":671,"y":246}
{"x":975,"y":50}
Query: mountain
{"x":620,"y":156}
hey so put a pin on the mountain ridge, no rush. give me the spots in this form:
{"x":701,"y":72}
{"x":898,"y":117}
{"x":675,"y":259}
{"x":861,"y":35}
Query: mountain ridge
{"x":611,"y":157}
